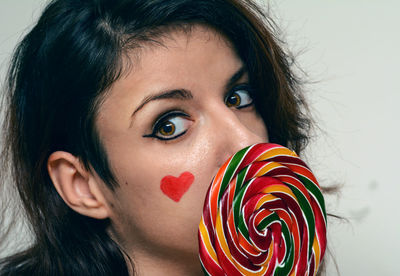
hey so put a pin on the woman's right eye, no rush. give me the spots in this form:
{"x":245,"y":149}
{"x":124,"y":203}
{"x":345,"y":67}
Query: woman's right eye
{"x":240,"y":97}
{"x":170,"y":126}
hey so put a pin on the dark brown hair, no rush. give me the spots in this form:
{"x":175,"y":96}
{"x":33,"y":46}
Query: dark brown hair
{"x":58,"y":75}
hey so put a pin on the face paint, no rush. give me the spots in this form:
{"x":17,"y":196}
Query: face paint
{"x":175,"y":187}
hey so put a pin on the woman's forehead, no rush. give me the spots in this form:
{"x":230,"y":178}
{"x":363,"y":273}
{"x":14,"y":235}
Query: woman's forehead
{"x":178,"y":53}
{"x":170,"y":37}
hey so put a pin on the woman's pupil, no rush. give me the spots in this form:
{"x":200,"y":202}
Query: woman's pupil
{"x":233,"y":100}
{"x":168,"y":129}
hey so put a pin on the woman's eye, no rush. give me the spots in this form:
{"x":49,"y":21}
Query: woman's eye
{"x":170,"y":126}
{"x":239,"y":98}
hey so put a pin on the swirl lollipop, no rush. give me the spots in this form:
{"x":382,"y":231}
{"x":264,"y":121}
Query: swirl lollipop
{"x":264,"y":214}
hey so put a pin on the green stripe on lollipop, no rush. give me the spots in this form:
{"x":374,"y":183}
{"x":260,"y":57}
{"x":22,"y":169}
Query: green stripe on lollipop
{"x":240,"y":223}
{"x":266,"y":221}
{"x":287,"y":263}
{"x":315,"y":190}
{"x":230,"y":171}
{"x":308,"y":213}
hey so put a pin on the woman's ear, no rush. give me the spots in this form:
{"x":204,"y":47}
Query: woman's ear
{"x":77,"y":187}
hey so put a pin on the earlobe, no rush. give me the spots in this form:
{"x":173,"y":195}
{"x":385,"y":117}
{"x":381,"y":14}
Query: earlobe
{"x":76,"y":185}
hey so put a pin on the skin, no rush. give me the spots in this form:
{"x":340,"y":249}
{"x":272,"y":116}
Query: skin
{"x":158,"y":233}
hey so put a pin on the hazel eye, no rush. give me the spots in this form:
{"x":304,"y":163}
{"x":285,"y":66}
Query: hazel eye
{"x":233,"y":100}
{"x":170,"y":126}
{"x":239,"y":98}
{"x":167,"y":129}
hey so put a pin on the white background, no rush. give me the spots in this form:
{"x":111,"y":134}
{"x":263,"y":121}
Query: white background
{"x":350,"y":51}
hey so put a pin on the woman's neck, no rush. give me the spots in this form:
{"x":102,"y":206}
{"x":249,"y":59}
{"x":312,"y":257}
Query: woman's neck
{"x":158,"y":264}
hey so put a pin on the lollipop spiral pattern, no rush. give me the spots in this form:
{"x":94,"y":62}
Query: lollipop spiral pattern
{"x":264,"y":214}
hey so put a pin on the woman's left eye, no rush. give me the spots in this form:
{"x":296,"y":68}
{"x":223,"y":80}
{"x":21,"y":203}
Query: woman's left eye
{"x":170,"y":126}
{"x":239,"y":98}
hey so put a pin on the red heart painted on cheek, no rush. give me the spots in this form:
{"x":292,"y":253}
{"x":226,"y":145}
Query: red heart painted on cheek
{"x":175,"y":187}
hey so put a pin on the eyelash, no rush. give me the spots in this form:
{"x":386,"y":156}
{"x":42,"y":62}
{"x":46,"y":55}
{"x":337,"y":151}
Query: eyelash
{"x":177,"y":113}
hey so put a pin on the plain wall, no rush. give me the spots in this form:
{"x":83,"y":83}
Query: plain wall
{"x":349,"y":50}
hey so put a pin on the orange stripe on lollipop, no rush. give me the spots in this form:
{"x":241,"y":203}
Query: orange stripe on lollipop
{"x":215,"y":191}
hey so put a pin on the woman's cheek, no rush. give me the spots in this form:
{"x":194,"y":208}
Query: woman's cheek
{"x":175,"y":187}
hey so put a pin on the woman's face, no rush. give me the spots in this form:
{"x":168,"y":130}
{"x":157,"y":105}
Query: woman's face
{"x":167,"y":127}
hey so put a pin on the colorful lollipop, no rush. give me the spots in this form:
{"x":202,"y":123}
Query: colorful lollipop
{"x":264,"y":214}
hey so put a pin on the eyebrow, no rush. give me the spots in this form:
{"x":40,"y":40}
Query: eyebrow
{"x":235,"y":77}
{"x":180,"y":94}
{"x":183,"y":94}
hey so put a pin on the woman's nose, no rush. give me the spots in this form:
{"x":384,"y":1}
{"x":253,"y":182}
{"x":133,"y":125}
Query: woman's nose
{"x":234,"y":131}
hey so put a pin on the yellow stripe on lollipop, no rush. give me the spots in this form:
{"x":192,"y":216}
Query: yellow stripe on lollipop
{"x":221,"y":237}
{"x":265,"y":198}
{"x":279,"y":188}
{"x":276,"y":152}
{"x":267,"y":168}
{"x":317,"y":252}
{"x":206,"y":240}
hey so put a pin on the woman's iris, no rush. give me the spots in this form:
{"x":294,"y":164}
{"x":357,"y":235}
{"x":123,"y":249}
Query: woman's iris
{"x":233,"y":100}
{"x":167,"y":129}
{"x":239,"y":98}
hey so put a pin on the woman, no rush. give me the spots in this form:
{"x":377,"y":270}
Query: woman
{"x":109,"y":101}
